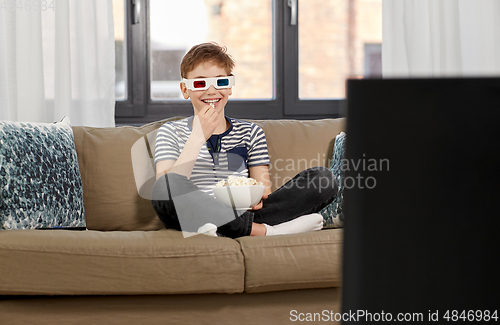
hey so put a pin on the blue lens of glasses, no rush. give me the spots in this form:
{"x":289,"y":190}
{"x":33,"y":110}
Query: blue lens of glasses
{"x":222,"y":82}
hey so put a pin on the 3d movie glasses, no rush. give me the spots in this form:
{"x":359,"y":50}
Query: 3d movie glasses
{"x":205,"y":83}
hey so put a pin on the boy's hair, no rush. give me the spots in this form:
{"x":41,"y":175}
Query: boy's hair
{"x":206,"y":52}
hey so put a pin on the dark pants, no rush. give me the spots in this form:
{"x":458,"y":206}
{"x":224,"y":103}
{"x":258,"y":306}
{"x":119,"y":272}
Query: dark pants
{"x":181,"y":205}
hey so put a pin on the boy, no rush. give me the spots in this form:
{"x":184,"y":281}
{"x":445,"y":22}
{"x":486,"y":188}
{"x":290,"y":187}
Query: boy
{"x":193,"y":154}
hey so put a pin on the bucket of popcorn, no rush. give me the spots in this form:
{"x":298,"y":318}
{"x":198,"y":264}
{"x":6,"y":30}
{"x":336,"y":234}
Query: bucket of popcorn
{"x":239,"y":193}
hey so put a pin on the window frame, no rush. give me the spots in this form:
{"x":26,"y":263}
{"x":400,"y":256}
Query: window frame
{"x":293,"y":105}
{"x":286,"y":104}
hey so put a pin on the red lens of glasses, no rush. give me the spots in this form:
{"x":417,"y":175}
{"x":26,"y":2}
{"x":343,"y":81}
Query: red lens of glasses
{"x":199,"y":84}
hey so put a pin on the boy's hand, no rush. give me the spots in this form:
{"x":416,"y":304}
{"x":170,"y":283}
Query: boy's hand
{"x":206,"y":121}
{"x":259,"y":205}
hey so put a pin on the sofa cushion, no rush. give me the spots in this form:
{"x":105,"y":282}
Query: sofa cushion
{"x":302,"y":261}
{"x":295,"y":145}
{"x":63,"y":262}
{"x":112,"y":201}
{"x":40,"y":182}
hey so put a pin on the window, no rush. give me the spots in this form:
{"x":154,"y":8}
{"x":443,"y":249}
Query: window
{"x":248,"y":38}
{"x":283,"y":70}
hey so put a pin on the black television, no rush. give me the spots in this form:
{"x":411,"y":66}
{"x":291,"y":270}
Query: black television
{"x":422,"y":201}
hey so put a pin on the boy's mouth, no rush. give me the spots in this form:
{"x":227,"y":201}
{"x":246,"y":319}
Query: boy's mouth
{"x":211,"y":101}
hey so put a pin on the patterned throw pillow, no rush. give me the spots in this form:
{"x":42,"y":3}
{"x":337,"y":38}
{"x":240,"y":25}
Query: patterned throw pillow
{"x":333,"y":217}
{"x":40,"y":183}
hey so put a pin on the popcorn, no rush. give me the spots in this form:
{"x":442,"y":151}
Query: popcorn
{"x":238,"y":181}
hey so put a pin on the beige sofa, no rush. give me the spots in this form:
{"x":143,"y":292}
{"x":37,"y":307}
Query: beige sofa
{"x":127,"y":269}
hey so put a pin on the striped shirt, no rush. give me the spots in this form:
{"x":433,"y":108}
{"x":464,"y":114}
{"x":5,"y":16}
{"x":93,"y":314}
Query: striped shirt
{"x":243,"y":145}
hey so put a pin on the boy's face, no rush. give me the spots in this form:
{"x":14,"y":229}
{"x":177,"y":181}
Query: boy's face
{"x":198,"y":97}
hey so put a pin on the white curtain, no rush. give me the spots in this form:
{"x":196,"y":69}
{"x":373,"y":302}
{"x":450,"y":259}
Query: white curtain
{"x":57,"y":58}
{"x":441,"y":38}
